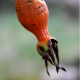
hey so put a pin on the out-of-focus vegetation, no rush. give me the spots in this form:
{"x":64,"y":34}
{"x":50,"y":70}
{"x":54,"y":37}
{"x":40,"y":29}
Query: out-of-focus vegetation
{"x":19,"y":59}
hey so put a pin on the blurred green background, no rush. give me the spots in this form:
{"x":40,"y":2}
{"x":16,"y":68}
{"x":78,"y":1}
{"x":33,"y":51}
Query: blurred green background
{"x":19,"y":59}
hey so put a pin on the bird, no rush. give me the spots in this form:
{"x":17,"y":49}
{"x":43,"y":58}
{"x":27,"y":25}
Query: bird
{"x":33,"y":16}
